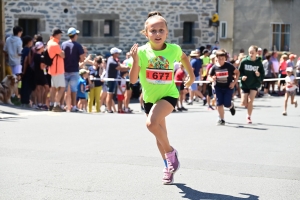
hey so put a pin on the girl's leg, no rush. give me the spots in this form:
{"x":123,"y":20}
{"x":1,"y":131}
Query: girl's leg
{"x":244,"y":99}
{"x":156,"y":116}
{"x":84,"y":104}
{"x":251,"y":98}
{"x":113,"y":105}
{"x":286,"y":98}
{"x":221,"y":111}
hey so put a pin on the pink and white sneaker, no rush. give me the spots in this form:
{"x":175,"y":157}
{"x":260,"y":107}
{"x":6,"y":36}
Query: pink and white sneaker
{"x":172,"y":160}
{"x":249,"y":120}
{"x":168,"y":177}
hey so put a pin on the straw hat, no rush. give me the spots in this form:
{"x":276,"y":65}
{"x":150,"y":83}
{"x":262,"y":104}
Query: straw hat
{"x":194,"y":53}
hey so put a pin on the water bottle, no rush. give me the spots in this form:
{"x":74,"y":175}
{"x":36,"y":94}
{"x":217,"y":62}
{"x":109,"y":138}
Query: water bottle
{"x":45,"y":71}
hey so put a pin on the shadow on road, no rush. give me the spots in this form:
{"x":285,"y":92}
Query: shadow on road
{"x":247,"y":127}
{"x":193,"y":194}
{"x":8,"y":113}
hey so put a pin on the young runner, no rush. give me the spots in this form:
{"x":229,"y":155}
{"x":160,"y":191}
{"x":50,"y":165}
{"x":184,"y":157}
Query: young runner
{"x":222,"y":74}
{"x":153,"y":63}
{"x":291,"y":85}
{"x":252,"y":74}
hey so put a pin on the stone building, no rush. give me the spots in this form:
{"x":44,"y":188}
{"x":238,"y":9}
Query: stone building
{"x":108,"y":23}
{"x":270,"y":24}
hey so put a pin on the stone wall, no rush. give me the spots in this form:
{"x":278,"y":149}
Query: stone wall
{"x":129,"y":17}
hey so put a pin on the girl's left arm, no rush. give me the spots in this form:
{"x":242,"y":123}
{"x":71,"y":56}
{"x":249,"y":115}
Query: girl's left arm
{"x":186,"y":64}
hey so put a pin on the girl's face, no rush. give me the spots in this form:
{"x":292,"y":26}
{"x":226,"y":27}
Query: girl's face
{"x":85,"y":76}
{"x":221,"y":60}
{"x":289,"y":73}
{"x":252,"y":53}
{"x":157,"y":31}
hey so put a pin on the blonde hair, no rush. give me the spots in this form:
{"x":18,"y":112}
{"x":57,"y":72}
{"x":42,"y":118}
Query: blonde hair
{"x":152,"y":15}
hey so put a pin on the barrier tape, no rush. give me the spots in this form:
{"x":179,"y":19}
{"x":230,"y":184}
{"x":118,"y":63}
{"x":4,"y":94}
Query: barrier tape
{"x":127,"y":80}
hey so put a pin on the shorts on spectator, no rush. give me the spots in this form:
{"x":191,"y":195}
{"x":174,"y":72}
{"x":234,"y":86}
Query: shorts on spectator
{"x":171,"y":100}
{"x":81,"y":98}
{"x":17,"y":69}
{"x":210,"y":90}
{"x":194,"y":86}
{"x":224,"y":96}
{"x":41,"y":80}
{"x":111,"y":86}
{"x":247,"y":90}
{"x":282,"y":82}
{"x":71,"y":78}
{"x":120,"y":97}
{"x":104,"y":88}
{"x":129,"y":86}
{"x":58,"y":81}
{"x":267,"y":83}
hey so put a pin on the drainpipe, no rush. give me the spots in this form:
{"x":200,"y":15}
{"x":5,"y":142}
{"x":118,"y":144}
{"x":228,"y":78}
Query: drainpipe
{"x":217,"y":11}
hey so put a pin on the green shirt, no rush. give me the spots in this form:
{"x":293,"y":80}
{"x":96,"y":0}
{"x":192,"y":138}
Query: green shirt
{"x":157,"y":72}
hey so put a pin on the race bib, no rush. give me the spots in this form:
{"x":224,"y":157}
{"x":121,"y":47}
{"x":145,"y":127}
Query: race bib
{"x":223,"y":74}
{"x":159,"y":76}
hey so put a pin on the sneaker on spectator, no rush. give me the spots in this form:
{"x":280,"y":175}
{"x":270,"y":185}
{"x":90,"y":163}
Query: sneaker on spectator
{"x":74,"y":109}
{"x":45,"y":107}
{"x":172,"y":160}
{"x":179,"y":109}
{"x":57,"y":109}
{"x":109,"y":111}
{"x":25,"y":106}
{"x":184,"y":109}
{"x":168,"y":177}
{"x":51,"y":108}
{"x":190,"y":103}
{"x":210,"y":108}
{"x":121,"y":112}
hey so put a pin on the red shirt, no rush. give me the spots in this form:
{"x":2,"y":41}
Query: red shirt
{"x":179,"y":76}
{"x":282,"y":68}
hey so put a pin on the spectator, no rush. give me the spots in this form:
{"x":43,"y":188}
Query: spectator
{"x":290,"y":62}
{"x":42,"y":87}
{"x":268,"y":68}
{"x":27,"y":73}
{"x":298,"y":73}
{"x":73,"y":55}
{"x":96,"y":86}
{"x":112,"y":68}
{"x":121,"y":90}
{"x":56,"y":70}
{"x":205,"y":61}
{"x":282,"y":73}
{"x":179,"y":78}
{"x":81,"y":90}
{"x":275,"y":64}
{"x":129,"y":87}
{"x":87,"y":59}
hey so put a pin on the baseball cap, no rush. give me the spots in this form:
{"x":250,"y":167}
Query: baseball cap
{"x":212,"y":56}
{"x":115,"y":50}
{"x":292,"y":56}
{"x":289,"y":69}
{"x":38,"y":45}
{"x":259,"y":49}
{"x":56,"y":31}
{"x":72,"y":31}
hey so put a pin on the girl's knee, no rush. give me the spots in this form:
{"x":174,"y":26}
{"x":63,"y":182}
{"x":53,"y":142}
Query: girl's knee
{"x":151,"y":124}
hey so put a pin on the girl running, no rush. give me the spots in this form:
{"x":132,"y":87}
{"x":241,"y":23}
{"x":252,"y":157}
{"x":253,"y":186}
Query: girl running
{"x":290,"y":88}
{"x":252,"y":74}
{"x":153,"y":63}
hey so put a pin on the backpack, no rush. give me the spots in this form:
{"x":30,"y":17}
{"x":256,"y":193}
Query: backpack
{"x":47,"y":60}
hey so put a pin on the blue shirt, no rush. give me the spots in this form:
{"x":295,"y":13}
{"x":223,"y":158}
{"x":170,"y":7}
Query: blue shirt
{"x":196,"y":65}
{"x":80,"y":83}
{"x":111,"y":71}
{"x":73,"y":51}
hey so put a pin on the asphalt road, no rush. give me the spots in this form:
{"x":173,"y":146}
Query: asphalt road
{"x":62,"y":156}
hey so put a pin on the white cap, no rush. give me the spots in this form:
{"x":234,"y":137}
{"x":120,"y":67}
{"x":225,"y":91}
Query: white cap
{"x":214,"y":52}
{"x":259,"y":49}
{"x":212,"y":56}
{"x":115,"y":50}
{"x":38,"y":45}
{"x":289,"y":69}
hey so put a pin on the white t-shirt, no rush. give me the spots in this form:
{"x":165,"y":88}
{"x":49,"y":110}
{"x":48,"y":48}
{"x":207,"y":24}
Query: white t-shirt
{"x":176,"y":66}
{"x":298,"y":66}
{"x":290,"y":83}
{"x":275,"y":64}
{"x":122,"y":84}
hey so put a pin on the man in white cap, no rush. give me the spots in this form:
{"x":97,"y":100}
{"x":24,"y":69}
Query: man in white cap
{"x":73,"y":55}
{"x":259,"y":53}
{"x":112,"y":67}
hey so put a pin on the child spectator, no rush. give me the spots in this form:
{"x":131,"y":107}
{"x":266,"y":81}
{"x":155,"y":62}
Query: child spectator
{"x":42,"y":87}
{"x":121,"y":91}
{"x":291,"y":86}
{"x":81,"y":90}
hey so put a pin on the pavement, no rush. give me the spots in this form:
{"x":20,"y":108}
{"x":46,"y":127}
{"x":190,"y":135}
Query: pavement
{"x":62,"y":156}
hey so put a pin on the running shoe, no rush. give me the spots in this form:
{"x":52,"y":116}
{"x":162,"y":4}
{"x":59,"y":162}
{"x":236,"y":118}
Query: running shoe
{"x":109,"y":111}
{"x":179,"y":109}
{"x":168,"y":177}
{"x":296,"y":103}
{"x":232,"y":110}
{"x":184,"y":109}
{"x":284,"y":113}
{"x":172,"y":160}
{"x":210,"y":108}
{"x":221,"y":122}
{"x":74,"y":109}
{"x":57,"y":109}
{"x":190,"y":103}
{"x":249,"y":120}
{"x":204,"y":102}
{"x":174,"y":111}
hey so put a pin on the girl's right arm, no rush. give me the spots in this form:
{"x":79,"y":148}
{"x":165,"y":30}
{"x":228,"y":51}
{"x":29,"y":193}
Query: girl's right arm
{"x":135,"y":69}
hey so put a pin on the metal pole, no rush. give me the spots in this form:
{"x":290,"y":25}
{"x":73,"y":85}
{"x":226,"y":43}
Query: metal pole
{"x":2,"y":38}
{"x":217,"y":11}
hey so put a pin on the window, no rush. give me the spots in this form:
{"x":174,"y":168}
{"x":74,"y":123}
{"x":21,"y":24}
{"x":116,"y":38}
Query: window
{"x":87,"y":28}
{"x":223,"y":29}
{"x":280,"y":37}
{"x":188,"y":32}
{"x":30,"y":26}
{"x":108,"y":28}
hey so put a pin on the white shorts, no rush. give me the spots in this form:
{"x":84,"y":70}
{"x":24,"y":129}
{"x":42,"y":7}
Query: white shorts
{"x":58,"y":81}
{"x":17,"y":69}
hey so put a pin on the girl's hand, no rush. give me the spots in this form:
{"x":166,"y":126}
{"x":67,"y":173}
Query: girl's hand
{"x":134,"y":52}
{"x":244,"y":78}
{"x":257,"y":73}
